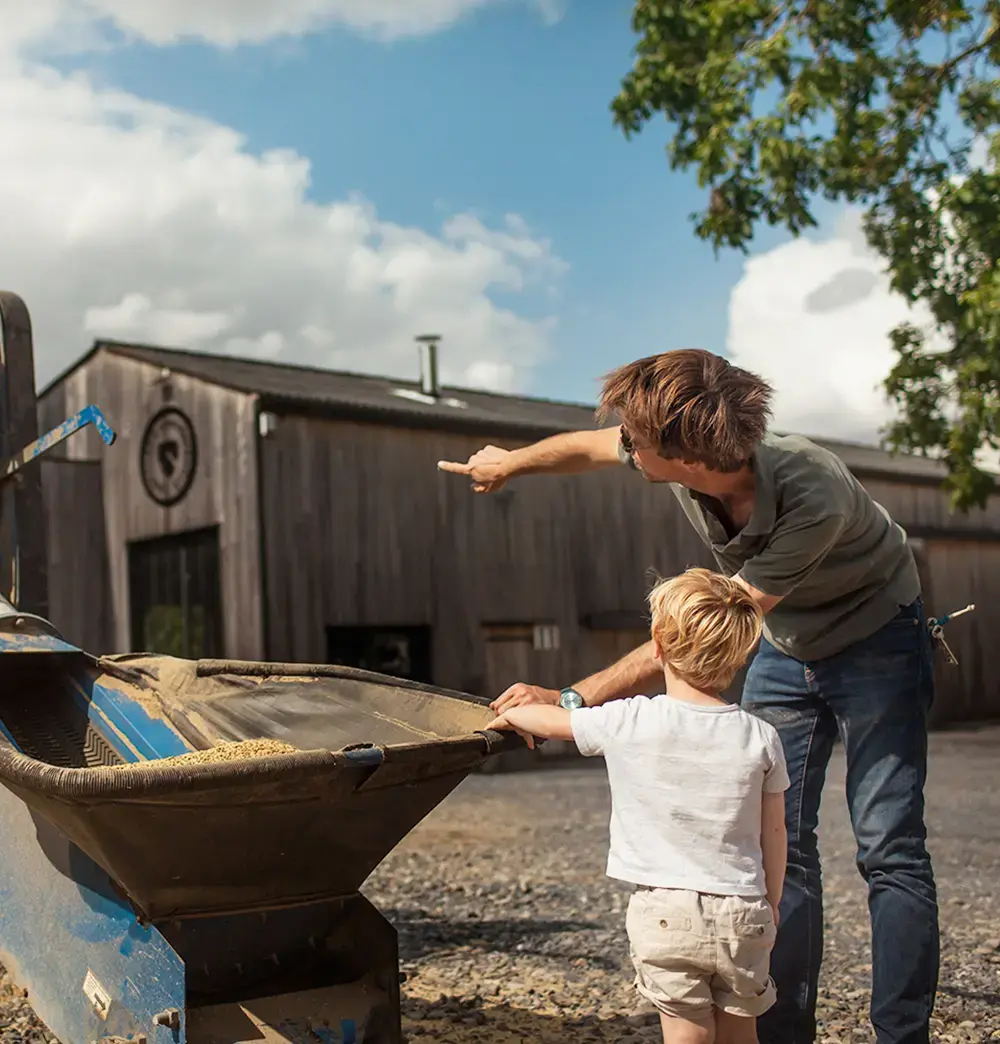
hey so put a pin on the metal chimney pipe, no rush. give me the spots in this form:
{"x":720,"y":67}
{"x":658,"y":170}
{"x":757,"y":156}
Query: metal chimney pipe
{"x":429,"y":364}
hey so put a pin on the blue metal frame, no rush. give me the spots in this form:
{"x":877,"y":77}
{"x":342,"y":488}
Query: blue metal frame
{"x":63,"y":923}
{"x":61,"y":918}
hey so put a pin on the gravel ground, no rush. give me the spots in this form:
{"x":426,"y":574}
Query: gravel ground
{"x":509,"y":931}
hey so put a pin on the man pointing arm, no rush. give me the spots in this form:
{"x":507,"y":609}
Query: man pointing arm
{"x":570,"y":453}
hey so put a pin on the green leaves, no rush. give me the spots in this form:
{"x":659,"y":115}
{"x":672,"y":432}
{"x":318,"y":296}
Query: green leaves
{"x":776,"y":104}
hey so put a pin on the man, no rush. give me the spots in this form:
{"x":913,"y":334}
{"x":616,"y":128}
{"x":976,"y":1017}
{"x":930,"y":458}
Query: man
{"x":846,"y":650}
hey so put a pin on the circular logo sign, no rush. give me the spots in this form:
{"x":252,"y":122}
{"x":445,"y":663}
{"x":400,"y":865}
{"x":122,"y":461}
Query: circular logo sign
{"x":169,"y":456}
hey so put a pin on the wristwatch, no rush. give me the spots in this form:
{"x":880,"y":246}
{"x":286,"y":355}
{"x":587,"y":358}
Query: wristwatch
{"x":570,"y":699}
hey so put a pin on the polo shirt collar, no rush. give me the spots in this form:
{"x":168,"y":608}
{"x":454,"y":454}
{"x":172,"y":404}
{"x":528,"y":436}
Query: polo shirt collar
{"x":762,"y":517}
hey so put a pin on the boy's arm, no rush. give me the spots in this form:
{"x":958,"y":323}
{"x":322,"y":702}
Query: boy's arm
{"x":774,"y":846}
{"x":536,"y":719}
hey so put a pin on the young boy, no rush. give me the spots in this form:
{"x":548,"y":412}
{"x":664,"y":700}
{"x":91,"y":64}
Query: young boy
{"x":697,"y":813}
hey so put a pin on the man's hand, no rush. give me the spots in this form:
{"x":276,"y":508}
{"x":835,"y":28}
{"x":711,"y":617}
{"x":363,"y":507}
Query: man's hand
{"x":503,"y":723}
{"x":487,"y":468}
{"x":520,"y":694}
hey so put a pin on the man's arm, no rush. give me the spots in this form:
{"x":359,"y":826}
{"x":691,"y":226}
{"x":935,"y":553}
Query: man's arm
{"x":570,"y":453}
{"x":774,"y":846}
{"x":765,"y":601}
{"x":628,"y":677}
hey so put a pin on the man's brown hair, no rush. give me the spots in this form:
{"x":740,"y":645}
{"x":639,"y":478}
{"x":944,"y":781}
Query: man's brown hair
{"x":692,"y":405}
{"x":705,"y":625}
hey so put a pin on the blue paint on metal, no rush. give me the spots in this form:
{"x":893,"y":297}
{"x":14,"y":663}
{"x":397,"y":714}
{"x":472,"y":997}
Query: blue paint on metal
{"x":346,"y":1034}
{"x":11,"y":642}
{"x":8,"y":737}
{"x":152,"y":738}
{"x":88,"y":415}
{"x":366,"y":755}
{"x":60,"y":919}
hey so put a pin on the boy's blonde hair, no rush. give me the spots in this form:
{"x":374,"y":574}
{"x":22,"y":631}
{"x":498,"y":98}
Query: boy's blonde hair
{"x":706,"y":626}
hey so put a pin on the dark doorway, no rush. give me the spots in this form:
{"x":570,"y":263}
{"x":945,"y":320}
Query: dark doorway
{"x":401,"y":652}
{"x":176,"y":596}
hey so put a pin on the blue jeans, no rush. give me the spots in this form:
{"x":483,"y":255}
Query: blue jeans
{"x":876,"y":695}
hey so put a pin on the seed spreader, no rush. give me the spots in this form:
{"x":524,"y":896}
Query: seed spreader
{"x":157,"y":889}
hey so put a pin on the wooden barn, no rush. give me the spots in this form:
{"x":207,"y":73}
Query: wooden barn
{"x":262,"y":511}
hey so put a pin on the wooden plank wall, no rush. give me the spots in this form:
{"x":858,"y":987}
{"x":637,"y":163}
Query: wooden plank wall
{"x":79,"y":580}
{"x":224,"y":491}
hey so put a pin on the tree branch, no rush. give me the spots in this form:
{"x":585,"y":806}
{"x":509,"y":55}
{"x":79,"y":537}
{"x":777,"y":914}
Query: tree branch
{"x":973,"y":49}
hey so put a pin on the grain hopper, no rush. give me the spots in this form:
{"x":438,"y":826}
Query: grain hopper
{"x":154,"y":894}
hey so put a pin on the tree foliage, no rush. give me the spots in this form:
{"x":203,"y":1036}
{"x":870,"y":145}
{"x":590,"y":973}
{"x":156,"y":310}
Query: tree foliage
{"x":878,"y":103}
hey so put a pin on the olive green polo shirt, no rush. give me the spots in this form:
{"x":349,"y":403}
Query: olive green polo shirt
{"x":817,"y":539}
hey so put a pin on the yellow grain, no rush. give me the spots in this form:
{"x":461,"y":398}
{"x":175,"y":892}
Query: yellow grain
{"x":230,"y":751}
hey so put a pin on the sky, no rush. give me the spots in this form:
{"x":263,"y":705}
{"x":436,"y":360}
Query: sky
{"x":320,"y":181}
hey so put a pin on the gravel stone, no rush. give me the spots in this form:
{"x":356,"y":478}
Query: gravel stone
{"x":510,"y":932}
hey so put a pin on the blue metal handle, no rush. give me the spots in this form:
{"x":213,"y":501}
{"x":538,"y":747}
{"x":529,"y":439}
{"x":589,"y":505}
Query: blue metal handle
{"x":92,"y":415}
{"x":88,"y":415}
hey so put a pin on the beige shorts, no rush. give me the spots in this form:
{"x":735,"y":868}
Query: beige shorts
{"x":696,"y":953}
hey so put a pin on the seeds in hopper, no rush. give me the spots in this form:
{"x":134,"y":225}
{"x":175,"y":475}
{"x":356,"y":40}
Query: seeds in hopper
{"x":230,"y":751}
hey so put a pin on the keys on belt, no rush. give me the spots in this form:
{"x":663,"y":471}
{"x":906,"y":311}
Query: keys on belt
{"x":936,"y":624}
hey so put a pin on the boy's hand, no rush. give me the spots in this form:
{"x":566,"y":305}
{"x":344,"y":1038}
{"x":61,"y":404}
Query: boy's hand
{"x":503,"y":724}
{"x":774,"y":913}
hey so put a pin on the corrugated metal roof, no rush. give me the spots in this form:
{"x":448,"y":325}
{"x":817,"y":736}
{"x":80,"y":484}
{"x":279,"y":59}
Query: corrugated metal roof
{"x":354,"y":393}
{"x":308,"y":389}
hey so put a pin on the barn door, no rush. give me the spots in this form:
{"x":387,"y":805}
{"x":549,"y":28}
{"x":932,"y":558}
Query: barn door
{"x":513,"y":655}
{"x":175,"y":594}
{"x":508,"y":656}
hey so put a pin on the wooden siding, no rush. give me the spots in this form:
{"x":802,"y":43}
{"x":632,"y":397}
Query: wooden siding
{"x":925,"y":510}
{"x":955,"y":574}
{"x":79,"y":582}
{"x":224,"y":491}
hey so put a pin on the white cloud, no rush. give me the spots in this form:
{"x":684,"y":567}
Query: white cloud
{"x":813,"y":316}
{"x":131,"y":220}
{"x":228,"y":23}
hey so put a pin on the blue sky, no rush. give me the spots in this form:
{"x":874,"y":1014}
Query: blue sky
{"x":499,"y":113}
{"x":321,"y":196}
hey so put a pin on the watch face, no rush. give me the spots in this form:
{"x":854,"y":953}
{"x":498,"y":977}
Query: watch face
{"x":570,"y":700}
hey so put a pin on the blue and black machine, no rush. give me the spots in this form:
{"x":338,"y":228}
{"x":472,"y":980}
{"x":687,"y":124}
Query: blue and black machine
{"x":155,"y":901}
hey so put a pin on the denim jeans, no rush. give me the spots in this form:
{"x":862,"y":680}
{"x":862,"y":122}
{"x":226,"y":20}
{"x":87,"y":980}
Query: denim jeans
{"x":876,"y":695}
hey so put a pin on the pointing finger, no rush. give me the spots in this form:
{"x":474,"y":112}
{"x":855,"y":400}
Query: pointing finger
{"x":454,"y":467}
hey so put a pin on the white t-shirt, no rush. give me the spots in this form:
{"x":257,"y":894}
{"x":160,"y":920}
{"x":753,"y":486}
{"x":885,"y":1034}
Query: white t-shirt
{"x":686,"y":786}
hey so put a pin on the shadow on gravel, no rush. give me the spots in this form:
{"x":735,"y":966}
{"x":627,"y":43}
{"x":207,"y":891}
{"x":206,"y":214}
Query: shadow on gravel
{"x":970,"y":995}
{"x":421,"y":935}
{"x":449,"y":1020}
